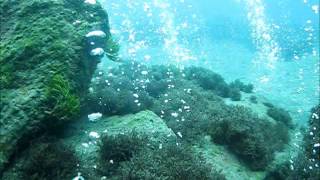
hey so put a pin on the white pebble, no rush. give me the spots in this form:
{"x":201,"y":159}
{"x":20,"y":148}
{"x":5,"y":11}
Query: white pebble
{"x":86,"y":145}
{"x":94,"y":116}
{"x":144,"y":72}
{"x":96,"y":33}
{"x":78,"y":177}
{"x":94,"y":134}
{"x":97,"y":52}
{"x":174,"y":114}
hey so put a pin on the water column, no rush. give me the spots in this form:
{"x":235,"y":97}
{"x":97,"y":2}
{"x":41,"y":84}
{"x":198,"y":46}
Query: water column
{"x":170,"y":31}
{"x":262,"y":35}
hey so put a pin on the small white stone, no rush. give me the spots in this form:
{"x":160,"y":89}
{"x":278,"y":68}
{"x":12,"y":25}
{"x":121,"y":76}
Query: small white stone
{"x":90,"y":89}
{"x":179,"y":134}
{"x":78,"y":177}
{"x":174,"y":114}
{"x":86,"y":145}
{"x":144,"y":72}
{"x":96,"y":33}
{"x":94,"y":116}
{"x":136,"y":95}
{"x":311,"y":133}
{"x":97,"y":52}
{"x":94,"y":134}
{"x":291,"y":167}
{"x":316,"y":145}
{"x":90,"y":1}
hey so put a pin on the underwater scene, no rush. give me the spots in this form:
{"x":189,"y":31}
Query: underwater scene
{"x":159,"y":90}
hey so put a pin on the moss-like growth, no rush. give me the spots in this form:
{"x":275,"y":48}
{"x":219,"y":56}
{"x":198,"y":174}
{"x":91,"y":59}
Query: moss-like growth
{"x":47,"y":160}
{"x":253,"y":99}
{"x":268,"y":104}
{"x":209,"y":80}
{"x":6,"y":76}
{"x":280,"y":115}
{"x":247,"y":88}
{"x":171,"y":161}
{"x":119,"y":148}
{"x":37,"y":35}
{"x":254,"y":140}
{"x":130,"y":156}
{"x":235,"y":94}
{"x":190,"y":102}
{"x":306,"y":164}
{"x":64,"y":105}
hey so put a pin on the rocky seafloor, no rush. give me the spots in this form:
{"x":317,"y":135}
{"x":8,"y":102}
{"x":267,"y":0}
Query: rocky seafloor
{"x":63,"y":119}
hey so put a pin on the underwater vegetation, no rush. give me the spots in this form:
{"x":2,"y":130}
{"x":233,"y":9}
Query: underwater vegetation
{"x":209,"y":80}
{"x":115,"y":149}
{"x":64,"y":105}
{"x":280,"y":115}
{"x":192,"y":108}
{"x":49,"y":52}
{"x":306,"y":164}
{"x":253,"y":139}
{"x":41,"y":39}
{"x":129,"y":156}
{"x":49,"y":160}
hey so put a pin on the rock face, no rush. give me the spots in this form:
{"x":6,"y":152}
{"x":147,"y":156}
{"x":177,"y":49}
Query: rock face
{"x":145,"y":122}
{"x":86,"y":146}
{"x":45,"y":66}
{"x":83,"y":138}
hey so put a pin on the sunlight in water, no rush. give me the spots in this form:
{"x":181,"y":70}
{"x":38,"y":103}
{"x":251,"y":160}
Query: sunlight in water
{"x":262,"y":34}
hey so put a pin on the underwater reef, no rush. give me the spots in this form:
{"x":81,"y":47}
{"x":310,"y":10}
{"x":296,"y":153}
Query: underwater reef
{"x":192,"y":103}
{"x":64,"y":118}
{"x":306,"y":164}
{"x":45,"y":66}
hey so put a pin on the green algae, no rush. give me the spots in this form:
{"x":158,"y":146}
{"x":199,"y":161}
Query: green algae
{"x":65,"y":105}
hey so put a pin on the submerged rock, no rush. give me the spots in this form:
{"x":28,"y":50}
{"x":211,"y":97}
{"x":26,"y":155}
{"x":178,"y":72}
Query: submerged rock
{"x":45,"y":66}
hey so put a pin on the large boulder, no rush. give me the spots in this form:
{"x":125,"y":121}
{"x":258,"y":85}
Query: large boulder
{"x":45,"y":66}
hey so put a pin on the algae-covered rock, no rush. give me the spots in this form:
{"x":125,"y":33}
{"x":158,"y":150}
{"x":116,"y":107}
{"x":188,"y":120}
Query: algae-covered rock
{"x":144,"y":122}
{"x":45,"y":66}
{"x":141,"y":146}
{"x":114,"y":130}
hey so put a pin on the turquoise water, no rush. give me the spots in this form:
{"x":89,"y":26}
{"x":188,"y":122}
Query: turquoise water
{"x":159,"y":90}
{"x":273,"y":44}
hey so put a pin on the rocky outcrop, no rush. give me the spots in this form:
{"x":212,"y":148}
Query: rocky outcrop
{"x":82,"y":146}
{"x":45,"y":66}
